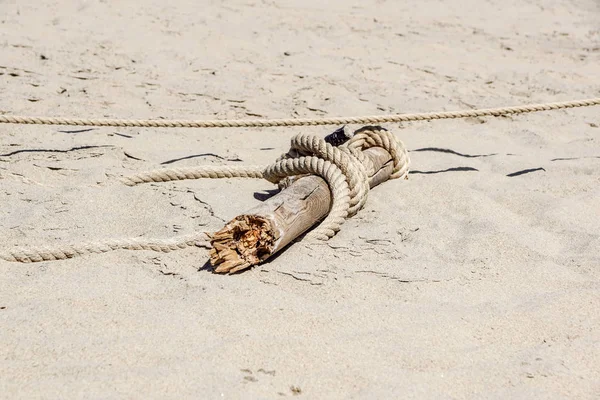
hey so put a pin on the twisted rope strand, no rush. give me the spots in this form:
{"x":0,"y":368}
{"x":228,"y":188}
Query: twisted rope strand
{"x":263,"y":123}
{"x":178,"y":174}
{"x":63,"y":252}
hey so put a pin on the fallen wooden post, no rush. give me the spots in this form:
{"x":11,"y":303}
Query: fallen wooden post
{"x":259,"y":233}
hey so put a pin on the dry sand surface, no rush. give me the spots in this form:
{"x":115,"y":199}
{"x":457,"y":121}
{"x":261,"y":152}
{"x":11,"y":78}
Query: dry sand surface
{"x":469,"y":280}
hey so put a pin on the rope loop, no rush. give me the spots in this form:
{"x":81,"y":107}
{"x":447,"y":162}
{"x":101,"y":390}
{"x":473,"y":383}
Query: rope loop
{"x":66,"y":251}
{"x":376,"y":136}
{"x":310,"y":154}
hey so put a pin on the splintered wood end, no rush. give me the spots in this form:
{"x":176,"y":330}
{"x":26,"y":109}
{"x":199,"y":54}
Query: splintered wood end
{"x":245,"y":241}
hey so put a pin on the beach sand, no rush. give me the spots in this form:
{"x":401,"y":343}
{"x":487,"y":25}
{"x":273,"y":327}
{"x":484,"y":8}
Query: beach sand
{"x":471,"y":279}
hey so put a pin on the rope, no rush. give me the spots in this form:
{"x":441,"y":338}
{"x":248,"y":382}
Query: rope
{"x":345,"y":169}
{"x":38,"y":254}
{"x":263,"y":123}
{"x":178,"y":174}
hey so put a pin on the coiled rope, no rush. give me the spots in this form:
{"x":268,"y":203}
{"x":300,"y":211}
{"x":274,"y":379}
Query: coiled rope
{"x":264,"y":123}
{"x":345,"y":169}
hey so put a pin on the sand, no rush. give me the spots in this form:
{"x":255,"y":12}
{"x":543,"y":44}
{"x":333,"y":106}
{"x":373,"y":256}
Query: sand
{"x":471,"y":279}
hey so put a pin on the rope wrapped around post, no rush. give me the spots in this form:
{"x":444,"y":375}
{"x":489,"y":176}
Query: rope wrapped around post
{"x":372,"y":156}
{"x":319,"y":179}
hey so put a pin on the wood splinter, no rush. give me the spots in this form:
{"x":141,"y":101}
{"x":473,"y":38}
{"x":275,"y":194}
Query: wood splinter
{"x":259,"y":233}
{"x":243,"y":242}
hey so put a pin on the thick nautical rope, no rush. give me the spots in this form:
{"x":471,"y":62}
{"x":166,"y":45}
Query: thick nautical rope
{"x":264,"y":123}
{"x":63,"y":252}
{"x":345,"y":169}
{"x":207,"y":172}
